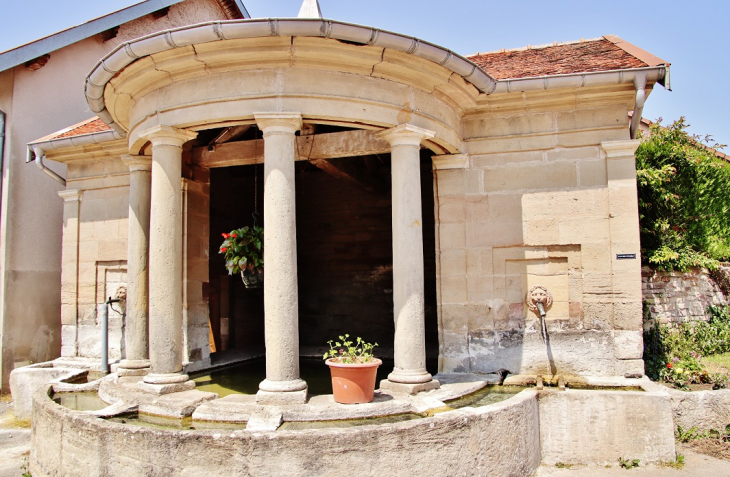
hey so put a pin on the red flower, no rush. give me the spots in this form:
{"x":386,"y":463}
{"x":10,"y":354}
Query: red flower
{"x":669,"y":365}
{"x":223,"y":249}
{"x":234,"y":235}
{"x":225,"y":236}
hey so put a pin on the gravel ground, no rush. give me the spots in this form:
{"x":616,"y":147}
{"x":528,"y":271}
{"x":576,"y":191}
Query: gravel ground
{"x":696,"y":465}
{"x":14,"y":442}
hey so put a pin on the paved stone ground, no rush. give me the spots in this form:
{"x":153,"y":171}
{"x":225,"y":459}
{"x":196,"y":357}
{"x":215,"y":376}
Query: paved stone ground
{"x":14,"y":442}
{"x":696,"y":465}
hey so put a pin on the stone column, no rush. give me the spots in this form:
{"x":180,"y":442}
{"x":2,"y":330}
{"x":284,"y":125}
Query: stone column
{"x":281,"y":300}
{"x":70,"y":272}
{"x":410,"y":373}
{"x":165,"y":261}
{"x":137,"y":361}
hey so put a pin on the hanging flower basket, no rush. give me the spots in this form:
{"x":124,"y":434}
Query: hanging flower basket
{"x":253,"y":280}
{"x":244,"y":252}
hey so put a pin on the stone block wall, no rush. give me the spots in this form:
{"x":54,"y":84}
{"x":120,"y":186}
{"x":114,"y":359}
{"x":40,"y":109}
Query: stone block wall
{"x":96,"y":212}
{"x":547,"y":196}
{"x":96,"y":208}
{"x":196,"y":230}
{"x":677,"y":297}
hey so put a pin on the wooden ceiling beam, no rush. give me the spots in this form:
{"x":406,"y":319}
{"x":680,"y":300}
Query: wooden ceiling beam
{"x":314,"y":148}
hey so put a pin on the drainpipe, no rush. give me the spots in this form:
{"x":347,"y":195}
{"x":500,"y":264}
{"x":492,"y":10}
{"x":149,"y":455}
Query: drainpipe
{"x":640,"y":85}
{"x":2,"y":149}
{"x":39,"y":155}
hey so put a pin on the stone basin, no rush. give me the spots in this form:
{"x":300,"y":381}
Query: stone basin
{"x":511,"y":437}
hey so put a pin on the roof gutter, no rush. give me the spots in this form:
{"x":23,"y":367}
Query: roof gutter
{"x":594,"y":78}
{"x":128,"y":52}
{"x":638,"y":76}
{"x":37,"y":150}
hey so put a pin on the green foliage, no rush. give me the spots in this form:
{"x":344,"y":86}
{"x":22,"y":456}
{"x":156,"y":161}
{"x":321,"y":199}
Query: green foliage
{"x":689,"y":435}
{"x":25,"y":468}
{"x":677,"y":463}
{"x":694,"y":434}
{"x":628,"y":463}
{"x":721,"y":276}
{"x":684,"y":200}
{"x":562,"y":465}
{"x":244,"y":250}
{"x":673,"y":353}
{"x":349,"y":352}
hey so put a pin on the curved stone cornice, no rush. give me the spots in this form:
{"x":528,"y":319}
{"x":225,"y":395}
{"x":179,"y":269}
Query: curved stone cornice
{"x":129,"y":52}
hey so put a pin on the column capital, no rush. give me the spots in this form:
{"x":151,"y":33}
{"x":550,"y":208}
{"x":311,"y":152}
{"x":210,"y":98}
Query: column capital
{"x":278,"y":123}
{"x":168,"y":136}
{"x":615,"y":149}
{"x":138,"y":163}
{"x":406,"y":135}
{"x":70,"y":195}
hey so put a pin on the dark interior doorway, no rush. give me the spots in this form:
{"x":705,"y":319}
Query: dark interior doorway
{"x":344,"y":254}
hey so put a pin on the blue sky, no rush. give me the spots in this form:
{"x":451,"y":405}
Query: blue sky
{"x":691,"y":35}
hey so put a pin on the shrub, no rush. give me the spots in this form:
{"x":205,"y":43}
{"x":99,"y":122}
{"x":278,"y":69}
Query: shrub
{"x":672,"y":353}
{"x":684,"y":205}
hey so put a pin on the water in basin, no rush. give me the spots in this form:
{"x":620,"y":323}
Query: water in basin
{"x":244,"y":378}
{"x":84,"y":401}
{"x":485,"y":396}
{"x":298,"y":426}
{"x":187,"y":423}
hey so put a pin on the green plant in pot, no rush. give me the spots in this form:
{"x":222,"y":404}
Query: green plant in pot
{"x":244,"y":253}
{"x":353,"y":368}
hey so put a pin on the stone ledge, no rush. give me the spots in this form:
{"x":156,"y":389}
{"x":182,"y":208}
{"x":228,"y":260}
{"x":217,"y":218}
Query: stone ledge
{"x":282,"y":398}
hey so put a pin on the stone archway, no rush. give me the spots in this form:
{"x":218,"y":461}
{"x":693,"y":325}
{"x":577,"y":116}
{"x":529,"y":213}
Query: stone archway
{"x":397,"y":98}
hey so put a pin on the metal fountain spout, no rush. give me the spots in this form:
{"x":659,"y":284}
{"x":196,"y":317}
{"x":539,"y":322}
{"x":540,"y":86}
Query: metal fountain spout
{"x":539,"y":299}
{"x":541,"y":309}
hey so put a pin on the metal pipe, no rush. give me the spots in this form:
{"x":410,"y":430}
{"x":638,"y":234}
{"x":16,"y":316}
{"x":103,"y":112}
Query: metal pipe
{"x":640,"y":84}
{"x":41,"y":166}
{"x":541,"y":309}
{"x":105,"y":337}
{"x":105,"y":334}
{"x":2,"y":150}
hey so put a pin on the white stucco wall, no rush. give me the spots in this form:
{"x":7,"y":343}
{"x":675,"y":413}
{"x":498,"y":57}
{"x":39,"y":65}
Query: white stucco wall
{"x":44,"y":101}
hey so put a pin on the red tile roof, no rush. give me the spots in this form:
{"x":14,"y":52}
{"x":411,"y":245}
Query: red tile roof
{"x":85,"y":127}
{"x":601,"y":54}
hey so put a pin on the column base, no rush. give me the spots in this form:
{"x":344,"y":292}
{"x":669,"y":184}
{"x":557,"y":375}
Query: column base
{"x":282,"y":397}
{"x":408,"y":388}
{"x":133,"y":367}
{"x":282,"y":386}
{"x":166,"y":383}
{"x":410,"y":376}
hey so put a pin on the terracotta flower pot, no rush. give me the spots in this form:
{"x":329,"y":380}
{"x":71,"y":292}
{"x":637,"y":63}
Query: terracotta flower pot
{"x":353,"y":383}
